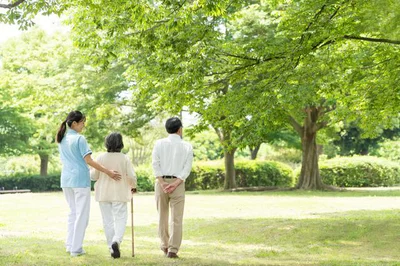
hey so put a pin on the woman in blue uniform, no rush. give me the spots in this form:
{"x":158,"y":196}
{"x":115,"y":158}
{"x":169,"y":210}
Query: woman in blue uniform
{"x":75,"y":178}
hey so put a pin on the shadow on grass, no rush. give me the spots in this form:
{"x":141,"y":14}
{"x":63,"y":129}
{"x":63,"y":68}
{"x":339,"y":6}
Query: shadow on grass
{"x":349,"y":238}
{"x":38,"y":251}
{"x":352,"y":238}
{"x":305,"y":193}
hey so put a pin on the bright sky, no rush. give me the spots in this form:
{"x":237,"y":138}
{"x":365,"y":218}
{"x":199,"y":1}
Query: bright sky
{"x":48,"y":23}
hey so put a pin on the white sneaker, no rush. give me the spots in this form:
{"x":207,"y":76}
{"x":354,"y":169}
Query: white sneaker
{"x":73,"y":254}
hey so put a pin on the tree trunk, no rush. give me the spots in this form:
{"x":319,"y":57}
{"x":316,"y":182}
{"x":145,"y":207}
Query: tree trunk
{"x":224,"y":136}
{"x":44,"y":162}
{"x":254,"y":151}
{"x":309,"y":176}
{"x":230,"y":177}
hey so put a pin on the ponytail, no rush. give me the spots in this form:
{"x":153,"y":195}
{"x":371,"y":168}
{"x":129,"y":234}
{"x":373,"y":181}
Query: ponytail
{"x":74,"y":116}
{"x":61,"y":131}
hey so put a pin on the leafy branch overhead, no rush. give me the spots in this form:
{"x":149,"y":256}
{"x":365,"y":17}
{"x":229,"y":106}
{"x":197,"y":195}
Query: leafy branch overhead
{"x":22,"y":12}
{"x":11,"y":5}
{"x":246,"y":67}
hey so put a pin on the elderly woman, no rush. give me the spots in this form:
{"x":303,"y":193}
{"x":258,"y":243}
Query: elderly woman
{"x":113,"y":195}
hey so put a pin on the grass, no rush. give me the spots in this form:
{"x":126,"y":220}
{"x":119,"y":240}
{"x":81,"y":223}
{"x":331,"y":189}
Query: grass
{"x":262,"y":228}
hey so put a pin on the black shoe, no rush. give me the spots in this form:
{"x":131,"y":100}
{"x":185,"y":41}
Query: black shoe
{"x":165,"y":250}
{"x":115,"y":247}
{"x":172,"y":255}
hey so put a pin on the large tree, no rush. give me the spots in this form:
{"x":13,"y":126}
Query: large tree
{"x":306,"y":63}
{"x":350,"y":139}
{"x":174,"y":61}
{"x":15,"y":130}
{"x":46,"y":77}
{"x":324,"y":67}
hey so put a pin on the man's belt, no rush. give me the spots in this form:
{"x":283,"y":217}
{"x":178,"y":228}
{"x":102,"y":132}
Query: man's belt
{"x":169,"y":176}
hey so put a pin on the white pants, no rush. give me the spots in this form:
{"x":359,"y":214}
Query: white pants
{"x":115,"y":216}
{"x":78,"y":200}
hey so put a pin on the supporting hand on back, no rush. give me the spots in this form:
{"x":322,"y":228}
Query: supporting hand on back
{"x":114,"y":175}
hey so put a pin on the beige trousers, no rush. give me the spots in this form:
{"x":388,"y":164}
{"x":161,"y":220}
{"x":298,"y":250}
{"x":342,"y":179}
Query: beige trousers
{"x":170,"y":236}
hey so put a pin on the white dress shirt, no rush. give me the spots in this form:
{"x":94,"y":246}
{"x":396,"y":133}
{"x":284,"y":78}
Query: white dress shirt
{"x":172,"y":157}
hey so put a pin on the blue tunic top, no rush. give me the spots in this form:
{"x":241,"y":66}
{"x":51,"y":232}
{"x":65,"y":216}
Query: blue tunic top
{"x":73,"y":149}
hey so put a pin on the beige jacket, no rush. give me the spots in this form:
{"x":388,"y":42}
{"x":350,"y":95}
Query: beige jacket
{"x":106,"y":188}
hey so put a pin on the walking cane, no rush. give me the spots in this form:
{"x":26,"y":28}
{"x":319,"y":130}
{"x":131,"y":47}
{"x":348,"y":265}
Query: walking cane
{"x":133,"y":234}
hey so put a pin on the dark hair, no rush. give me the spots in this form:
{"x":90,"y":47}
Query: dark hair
{"x":72,"y":116}
{"x":113,"y":142}
{"x":173,"y":124}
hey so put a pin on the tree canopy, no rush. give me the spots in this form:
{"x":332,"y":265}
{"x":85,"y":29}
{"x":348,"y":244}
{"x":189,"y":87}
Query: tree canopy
{"x":306,"y":63}
{"x":251,"y":67}
{"x":22,"y":12}
{"x":44,"y":77}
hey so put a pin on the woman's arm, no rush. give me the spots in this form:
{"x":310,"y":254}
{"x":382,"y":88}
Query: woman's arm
{"x":111,"y":173}
{"x":94,"y":175}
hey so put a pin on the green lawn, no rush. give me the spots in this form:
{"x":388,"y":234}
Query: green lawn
{"x":263,"y":228}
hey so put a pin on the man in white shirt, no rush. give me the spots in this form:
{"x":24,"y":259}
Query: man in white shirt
{"x":172,"y":163}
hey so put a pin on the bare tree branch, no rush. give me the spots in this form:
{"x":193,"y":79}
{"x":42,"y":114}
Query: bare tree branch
{"x":381,"y":40}
{"x":336,"y":11}
{"x":176,"y":9}
{"x":232,"y":71}
{"x":322,"y":44}
{"x":219,"y":133}
{"x":305,"y":32}
{"x":321,"y":125}
{"x":157,"y":23}
{"x":239,"y":56}
{"x":328,"y":109}
{"x":308,"y":118}
{"x":295,"y":125}
{"x":17,"y":3}
{"x":259,"y":61}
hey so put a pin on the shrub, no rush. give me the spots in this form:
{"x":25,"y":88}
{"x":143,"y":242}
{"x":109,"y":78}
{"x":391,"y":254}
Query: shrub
{"x":389,"y":149}
{"x":204,"y":175}
{"x":52,"y":182}
{"x":145,"y":178}
{"x":211,"y":175}
{"x":286,"y":155}
{"x":360,"y":171}
{"x":34,"y":183}
{"x":263,"y":173}
{"x":27,"y":165}
{"x":289,"y":156}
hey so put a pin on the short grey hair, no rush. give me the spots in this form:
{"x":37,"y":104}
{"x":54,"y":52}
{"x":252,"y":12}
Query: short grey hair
{"x":113,"y":142}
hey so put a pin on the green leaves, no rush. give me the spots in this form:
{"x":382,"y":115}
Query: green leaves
{"x":243,"y":66}
{"x":216,"y":57}
{"x":46,"y":77}
{"x":15,"y":130}
{"x":23,"y":12}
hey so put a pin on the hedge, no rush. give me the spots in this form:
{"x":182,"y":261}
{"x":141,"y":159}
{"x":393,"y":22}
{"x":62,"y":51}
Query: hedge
{"x":204,"y":175}
{"x":145,"y":178}
{"x":52,"y":183}
{"x":211,"y":175}
{"x":360,"y":171}
{"x":34,"y":183}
